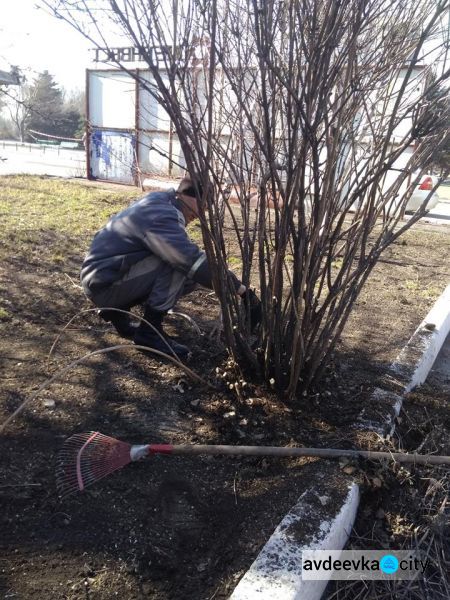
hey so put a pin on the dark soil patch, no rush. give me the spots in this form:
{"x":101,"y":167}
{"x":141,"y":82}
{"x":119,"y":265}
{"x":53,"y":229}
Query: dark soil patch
{"x":173,"y":528}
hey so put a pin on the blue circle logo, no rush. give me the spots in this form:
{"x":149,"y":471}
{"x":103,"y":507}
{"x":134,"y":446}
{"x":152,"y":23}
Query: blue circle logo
{"x":389,"y":564}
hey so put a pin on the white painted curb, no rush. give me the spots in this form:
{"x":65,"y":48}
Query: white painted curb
{"x":276,"y":574}
{"x":431,"y":334}
{"x":411,"y":367}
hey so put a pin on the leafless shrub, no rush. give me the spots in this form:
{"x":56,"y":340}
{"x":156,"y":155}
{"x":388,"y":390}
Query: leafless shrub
{"x":301,"y":110}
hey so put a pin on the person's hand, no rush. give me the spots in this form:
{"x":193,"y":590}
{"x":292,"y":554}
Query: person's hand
{"x":252,"y":304}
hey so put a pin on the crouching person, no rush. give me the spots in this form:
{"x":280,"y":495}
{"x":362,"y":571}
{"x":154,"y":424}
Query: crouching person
{"x":143,"y":255}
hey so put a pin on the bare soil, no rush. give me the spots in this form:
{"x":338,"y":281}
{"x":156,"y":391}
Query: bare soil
{"x":173,"y":527}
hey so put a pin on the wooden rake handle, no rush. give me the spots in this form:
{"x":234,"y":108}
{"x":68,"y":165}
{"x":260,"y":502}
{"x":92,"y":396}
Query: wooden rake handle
{"x":400,"y":457}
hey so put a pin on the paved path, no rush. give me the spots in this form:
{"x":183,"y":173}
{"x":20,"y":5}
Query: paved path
{"x":44,"y":160}
{"x":442,"y":210}
{"x":444,"y":193}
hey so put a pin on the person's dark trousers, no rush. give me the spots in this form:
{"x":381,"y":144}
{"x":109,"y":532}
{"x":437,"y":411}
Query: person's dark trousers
{"x":158,"y":340}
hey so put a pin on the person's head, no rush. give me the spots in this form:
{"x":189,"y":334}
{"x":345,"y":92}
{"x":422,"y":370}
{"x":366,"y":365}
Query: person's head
{"x":188,"y":196}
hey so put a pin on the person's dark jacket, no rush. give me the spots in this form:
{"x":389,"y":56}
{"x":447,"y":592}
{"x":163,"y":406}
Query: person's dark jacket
{"x":153,"y":225}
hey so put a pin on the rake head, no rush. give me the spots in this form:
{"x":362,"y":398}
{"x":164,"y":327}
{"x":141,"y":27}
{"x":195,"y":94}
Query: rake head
{"x":86,"y":458}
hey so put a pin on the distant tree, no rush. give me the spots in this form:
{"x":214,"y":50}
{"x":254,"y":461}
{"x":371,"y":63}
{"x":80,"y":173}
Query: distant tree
{"x":6,"y":129}
{"x":75,"y":111}
{"x":75,"y":100}
{"x":20,"y":108}
{"x":42,"y":106}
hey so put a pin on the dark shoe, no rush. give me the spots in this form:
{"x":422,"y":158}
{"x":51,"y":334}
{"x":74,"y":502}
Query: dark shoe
{"x":152,"y":340}
{"x":123,"y":323}
{"x":147,"y":336}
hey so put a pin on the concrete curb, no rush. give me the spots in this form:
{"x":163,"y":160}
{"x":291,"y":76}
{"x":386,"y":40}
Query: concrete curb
{"x":410,"y":369}
{"x":276,"y":573}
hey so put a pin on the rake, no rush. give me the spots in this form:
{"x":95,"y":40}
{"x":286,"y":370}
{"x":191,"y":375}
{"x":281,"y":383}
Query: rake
{"x":85,"y":458}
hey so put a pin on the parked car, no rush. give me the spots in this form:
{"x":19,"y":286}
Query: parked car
{"x":422,"y":190}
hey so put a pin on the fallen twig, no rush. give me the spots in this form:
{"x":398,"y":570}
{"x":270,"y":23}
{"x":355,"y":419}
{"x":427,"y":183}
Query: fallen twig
{"x":195,"y":327}
{"x":76,"y":285}
{"x":8,"y":485}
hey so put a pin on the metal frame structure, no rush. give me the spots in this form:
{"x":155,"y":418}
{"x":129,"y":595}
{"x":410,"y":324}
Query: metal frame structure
{"x":137,"y":131}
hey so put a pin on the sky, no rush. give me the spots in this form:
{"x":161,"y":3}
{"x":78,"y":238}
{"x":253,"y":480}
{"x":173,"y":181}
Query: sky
{"x":35,"y":41}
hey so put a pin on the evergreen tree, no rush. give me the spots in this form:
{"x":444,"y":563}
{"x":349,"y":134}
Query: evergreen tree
{"x":47,"y":104}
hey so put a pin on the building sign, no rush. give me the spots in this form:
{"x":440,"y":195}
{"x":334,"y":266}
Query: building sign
{"x":156,"y":54}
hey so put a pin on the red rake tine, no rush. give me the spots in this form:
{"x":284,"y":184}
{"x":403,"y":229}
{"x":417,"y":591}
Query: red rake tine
{"x":85,"y":458}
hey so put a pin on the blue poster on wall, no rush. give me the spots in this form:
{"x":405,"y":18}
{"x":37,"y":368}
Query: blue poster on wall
{"x":112,"y":156}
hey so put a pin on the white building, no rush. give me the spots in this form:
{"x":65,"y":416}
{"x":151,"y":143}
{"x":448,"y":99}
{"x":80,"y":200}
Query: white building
{"x":130,"y":135}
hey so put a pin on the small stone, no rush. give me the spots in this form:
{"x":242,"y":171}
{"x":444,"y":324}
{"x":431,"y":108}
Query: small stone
{"x":376,"y":482}
{"x":228,"y":415}
{"x":430,"y":326}
{"x":324,"y":500}
{"x":349,"y":470}
{"x":196,"y":402}
{"x":49,"y":403}
{"x":202,"y":566}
